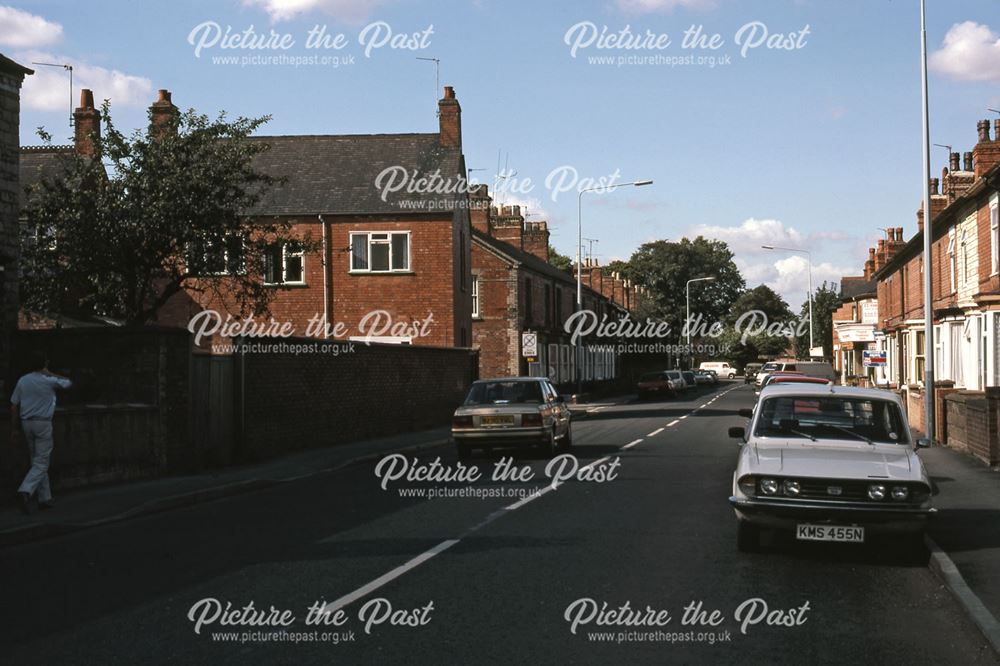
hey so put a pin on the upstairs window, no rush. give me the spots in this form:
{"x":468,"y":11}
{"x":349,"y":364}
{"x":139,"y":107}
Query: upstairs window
{"x":221,"y":255}
{"x":284,"y":263}
{"x":994,"y":239}
{"x":380,"y":252}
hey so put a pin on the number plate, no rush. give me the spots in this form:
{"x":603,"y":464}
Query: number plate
{"x":498,"y":420}
{"x":846,"y":534}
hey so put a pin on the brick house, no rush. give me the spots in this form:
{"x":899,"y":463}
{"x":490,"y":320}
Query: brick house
{"x":11,"y":77}
{"x":516,"y":290}
{"x":966,"y":284}
{"x":406,"y":255}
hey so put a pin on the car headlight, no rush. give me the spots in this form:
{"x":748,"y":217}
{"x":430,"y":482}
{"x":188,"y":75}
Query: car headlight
{"x":748,"y":486}
{"x":900,"y":493}
{"x":769,"y":486}
{"x":791,"y":488}
{"x":876,"y":491}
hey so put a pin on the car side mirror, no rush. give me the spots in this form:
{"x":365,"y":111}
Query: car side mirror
{"x":746,"y":411}
{"x":923,"y":443}
{"x":737,"y":432}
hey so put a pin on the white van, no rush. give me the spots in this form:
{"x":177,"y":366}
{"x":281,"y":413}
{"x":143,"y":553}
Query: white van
{"x":820,"y":369}
{"x":722,"y":368}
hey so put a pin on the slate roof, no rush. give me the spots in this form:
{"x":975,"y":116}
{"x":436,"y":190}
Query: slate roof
{"x":39,"y":163}
{"x":856,"y":285}
{"x":336,"y":174}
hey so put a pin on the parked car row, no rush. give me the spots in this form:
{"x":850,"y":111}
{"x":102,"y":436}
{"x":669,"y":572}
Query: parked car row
{"x":671,"y":383}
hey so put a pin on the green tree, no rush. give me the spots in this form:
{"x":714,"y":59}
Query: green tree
{"x":664,"y":268}
{"x":558,"y":260}
{"x":761,"y":345}
{"x":154,"y":213}
{"x":826,"y":300}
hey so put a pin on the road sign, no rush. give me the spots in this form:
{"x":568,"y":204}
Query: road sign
{"x":873,"y":357}
{"x":529,"y":344}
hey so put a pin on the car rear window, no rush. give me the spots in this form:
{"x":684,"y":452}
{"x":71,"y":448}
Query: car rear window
{"x":502,"y":393}
{"x":651,"y":377}
{"x":831,"y":417}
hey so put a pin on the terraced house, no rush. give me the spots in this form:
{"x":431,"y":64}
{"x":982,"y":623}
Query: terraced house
{"x":966,"y":282}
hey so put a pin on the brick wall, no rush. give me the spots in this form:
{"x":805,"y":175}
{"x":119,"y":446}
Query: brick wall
{"x":301,"y":401}
{"x":10,"y":85}
{"x":434,"y":285}
{"x":496,"y":330}
{"x":974,"y":423}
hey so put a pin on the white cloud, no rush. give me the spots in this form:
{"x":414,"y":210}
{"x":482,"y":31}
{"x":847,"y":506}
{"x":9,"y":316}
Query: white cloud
{"x":971,"y":52}
{"x":349,"y":11}
{"x":654,"y":6}
{"x":48,"y":88}
{"x":789,"y":276}
{"x":21,"y":30}
{"x":749,"y":236}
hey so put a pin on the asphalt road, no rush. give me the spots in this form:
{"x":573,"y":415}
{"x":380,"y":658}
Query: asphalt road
{"x":486,"y":579}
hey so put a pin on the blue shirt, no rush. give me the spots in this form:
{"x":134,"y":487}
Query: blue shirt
{"x":36,"y":394}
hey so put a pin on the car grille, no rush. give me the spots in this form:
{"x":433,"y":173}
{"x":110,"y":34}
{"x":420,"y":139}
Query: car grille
{"x":850,"y":491}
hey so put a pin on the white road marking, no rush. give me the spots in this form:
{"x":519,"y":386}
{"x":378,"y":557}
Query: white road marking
{"x":364,"y":590}
{"x":655,"y":432}
{"x":673,"y":422}
{"x":596,"y":462}
{"x":683,"y":417}
{"x":631,"y":444}
{"x":531,"y":498}
{"x":703,"y":406}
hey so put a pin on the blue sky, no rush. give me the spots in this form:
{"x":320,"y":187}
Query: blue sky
{"x":813,"y":147}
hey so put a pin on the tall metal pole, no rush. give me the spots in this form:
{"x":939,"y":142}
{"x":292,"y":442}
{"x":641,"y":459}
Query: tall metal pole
{"x":687,"y":320}
{"x":579,"y":285}
{"x":810,"y":259}
{"x":928,"y":237}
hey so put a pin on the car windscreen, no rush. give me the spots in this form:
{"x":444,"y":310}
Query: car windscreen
{"x":651,"y":377}
{"x":831,"y":417}
{"x":502,"y":393}
{"x":767,"y":367}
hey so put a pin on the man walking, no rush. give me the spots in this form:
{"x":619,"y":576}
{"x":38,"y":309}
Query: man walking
{"x":34,"y":402}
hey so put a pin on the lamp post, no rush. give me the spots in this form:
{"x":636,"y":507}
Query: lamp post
{"x":810,"y":265}
{"x":579,"y":262}
{"x":687,"y":314}
{"x":928,"y":237}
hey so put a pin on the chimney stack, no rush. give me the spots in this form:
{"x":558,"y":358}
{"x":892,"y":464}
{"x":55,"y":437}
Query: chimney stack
{"x":450,"y":120}
{"x":536,"y":240}
{"x":479,"y":209}
{"x":508,"y":225}
{"x":986,"y":153}
{"x":163,"y":116}
{"x":86,"y":125}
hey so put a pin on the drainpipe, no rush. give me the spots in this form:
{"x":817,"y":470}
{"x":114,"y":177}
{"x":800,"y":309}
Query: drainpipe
{"x":327,"y":279}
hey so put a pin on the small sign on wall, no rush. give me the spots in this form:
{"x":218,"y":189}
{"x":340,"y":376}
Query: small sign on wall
{"x":529,"y":344}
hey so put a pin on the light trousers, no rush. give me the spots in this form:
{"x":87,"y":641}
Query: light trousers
{"x":39,"y":437}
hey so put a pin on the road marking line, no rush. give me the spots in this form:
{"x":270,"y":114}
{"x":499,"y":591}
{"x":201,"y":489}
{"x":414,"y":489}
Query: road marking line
{"x":655,"y":432}
{"x":683,"y":417}
{"x":703,"y":406}
{"x":364,"y":590}
{"x":596,"y":462}
{"x":673,"y":422}
{"x":631,"y":444}
{"x":530,"y":498}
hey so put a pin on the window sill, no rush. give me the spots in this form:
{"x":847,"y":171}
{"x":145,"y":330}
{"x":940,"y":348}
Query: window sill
{"x":286,"y":284}
{"x":381,"y":273}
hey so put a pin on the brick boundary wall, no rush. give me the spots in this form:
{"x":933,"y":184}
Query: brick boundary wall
{"x":314,"y":399}
{"x":974,"y":423}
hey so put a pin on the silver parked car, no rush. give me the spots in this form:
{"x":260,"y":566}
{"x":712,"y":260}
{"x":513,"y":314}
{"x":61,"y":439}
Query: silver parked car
{"x":512,"y":412}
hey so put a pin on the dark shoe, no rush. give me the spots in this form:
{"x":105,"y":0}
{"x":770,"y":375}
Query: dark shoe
{"x":44,"y":506}
{"x":25,"y":502}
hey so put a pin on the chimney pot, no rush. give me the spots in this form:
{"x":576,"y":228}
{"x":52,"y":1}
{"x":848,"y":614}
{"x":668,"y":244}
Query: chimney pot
{"x":934,"y":187}
{"x":86,"y":99}
{"x":86,"y":125}
{"x":449,"y":92}
{"x":996,"y":129}
{"x":164,"y":96}
{"x":983,"y":127}
{"x":953,"y":163}
{"x":967,"y":159}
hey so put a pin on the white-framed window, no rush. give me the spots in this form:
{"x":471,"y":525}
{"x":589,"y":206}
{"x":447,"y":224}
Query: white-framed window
{"x":284,"y":263}
{"x":475,"y":295}
{"x":380,"y":251}
{"x":221,"y":255}
{"x":951,"y":260}
{"x":994,"y":239}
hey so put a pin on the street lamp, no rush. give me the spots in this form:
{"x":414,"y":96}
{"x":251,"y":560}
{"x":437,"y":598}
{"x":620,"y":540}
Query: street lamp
{"x":579,"y":262}
{"x":687,"y":316}
{"x":810,"y":265}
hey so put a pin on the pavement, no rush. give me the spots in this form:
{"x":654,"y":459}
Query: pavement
{"x":489,"y":569}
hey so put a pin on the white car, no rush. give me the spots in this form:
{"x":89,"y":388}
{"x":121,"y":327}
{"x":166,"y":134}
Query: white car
{"x":830,"y":463}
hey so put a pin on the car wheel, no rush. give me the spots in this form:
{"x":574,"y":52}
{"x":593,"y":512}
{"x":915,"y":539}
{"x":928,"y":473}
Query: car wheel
{"x":732,"y":376}
{"x":464,"y":451}
{"x":747,"y":537}
{"x":550,"y":446}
